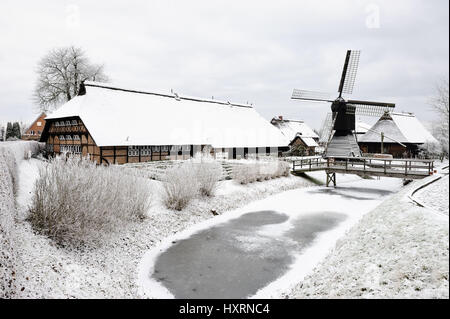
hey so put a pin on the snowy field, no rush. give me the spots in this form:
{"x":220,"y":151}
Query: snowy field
{"x":350,"y":201}
{"x":110,"y":271}
{"x":435,"y":195}
{"x":399,"y":250}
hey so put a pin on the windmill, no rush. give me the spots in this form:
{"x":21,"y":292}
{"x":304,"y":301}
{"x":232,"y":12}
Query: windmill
{"x":339,"y":127}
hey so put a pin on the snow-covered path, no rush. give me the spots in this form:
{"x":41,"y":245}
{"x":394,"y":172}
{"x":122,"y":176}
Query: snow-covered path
{"x":262,"y":248}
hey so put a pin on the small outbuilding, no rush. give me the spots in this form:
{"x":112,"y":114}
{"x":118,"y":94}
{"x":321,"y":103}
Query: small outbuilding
{"x":397,"y":129}
{"x":297,"y":134}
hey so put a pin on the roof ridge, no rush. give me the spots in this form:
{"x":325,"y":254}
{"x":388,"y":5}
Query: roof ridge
{"x":174,"y":95}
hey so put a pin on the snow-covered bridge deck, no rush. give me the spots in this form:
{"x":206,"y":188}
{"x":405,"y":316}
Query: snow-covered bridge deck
{"x":370,"y":166}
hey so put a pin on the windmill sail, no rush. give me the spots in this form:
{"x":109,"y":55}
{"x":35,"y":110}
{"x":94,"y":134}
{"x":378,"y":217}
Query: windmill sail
{"x":311,"y":96}
{"x":349,"y":72}
{"x":325,"y":131}
{"x":368,"y":108}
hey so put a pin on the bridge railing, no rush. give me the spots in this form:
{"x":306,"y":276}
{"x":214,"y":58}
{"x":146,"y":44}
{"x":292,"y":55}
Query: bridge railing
{"x":367,"y":165}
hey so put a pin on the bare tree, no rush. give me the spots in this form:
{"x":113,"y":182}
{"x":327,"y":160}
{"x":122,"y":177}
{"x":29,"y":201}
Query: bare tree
{"x":439,"y":104}
{"x":60,"y":73}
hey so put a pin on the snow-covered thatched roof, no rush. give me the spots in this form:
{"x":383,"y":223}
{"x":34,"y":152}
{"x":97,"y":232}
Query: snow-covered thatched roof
{"x":117,"y":116}
{"x":361,"y":127}
{"x":295,"y":128}
{"x":401,"y":127}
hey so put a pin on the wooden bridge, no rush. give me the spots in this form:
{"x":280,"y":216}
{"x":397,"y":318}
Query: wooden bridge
{"x":407,"y":168}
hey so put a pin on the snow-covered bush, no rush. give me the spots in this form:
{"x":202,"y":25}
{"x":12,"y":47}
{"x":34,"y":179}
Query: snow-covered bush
{"x":207,"y":173}
{"x":260,"y":170}
{"x":76,"y":201}
{"x":180,"y":185}
{"x":11,"y":153}
{"x":8,"y":254}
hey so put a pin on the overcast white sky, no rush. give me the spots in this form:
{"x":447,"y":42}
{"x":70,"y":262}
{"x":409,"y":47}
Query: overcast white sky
{"x":255,"y":51}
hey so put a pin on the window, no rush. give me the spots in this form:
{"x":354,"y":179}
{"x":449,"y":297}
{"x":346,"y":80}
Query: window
{"x":39,"y":132}
{"x":39,"y":123}
{"x":133,"y":151}
{"x":155,"y":148}
{"x":174,"y":148}
{"x":76,"y":137}
{"x":32,"y":132}
{"x":68,"y":138}
{"x":56,"y":123}
{"x":68,"y":123}
{"x":186,"y":148}
{"x":74,"y":149}
{"x":61,"y":123}
{"x":164,"y":148}
{"x":74,"y":122}
{"x":61,"y":138}
{"x":146,"y":151}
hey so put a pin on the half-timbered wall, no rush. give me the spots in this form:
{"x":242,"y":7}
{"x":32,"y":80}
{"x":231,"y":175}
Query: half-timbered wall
{"x":69,"y":135}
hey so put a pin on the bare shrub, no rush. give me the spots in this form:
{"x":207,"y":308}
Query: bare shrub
{"x":76,"y":201}
{"x":260,"y":171}
{"x":180,"y":186}
{"x":207,"y":173}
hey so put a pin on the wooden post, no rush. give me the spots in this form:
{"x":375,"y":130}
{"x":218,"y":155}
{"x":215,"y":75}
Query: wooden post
{"x":331,"y":177}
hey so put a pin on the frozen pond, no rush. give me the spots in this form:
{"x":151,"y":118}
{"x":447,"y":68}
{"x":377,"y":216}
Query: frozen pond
{"x":252,"y":249}
{"x":234,"y":259}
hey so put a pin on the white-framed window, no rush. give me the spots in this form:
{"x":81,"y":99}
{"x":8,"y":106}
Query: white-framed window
{"x":155,"y":148}
{"x":39,"y":123}
{"x":74,"y":149}
{"x":68,"y":138}
{"x":174,"y":148}
{"x":67,"y":123}
{"x":61,"y":138}
{"x":74,"y":122}
{"x":56,"y":123}
{"x":76,"y":137}
{"x":164,"y":148}
{"x":133,"y":151}
{"x":186,"y":148}
{"x":61,"y":123}
{"x":146,"y":150}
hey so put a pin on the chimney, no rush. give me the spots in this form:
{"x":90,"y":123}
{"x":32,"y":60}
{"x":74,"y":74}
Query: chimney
{"x":280,"y":117}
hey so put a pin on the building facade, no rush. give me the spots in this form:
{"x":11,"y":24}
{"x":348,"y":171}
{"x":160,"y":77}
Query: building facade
{"x":114,"y":125}
{"x":34,"y":131}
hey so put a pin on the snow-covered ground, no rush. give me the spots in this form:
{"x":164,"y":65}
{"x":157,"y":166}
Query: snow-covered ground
{"x":399,"y":250}
{"x":350,"y":201}
{"x":435,"y":195}
{"x":110,"y":271}
{"x":410,"y":245}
